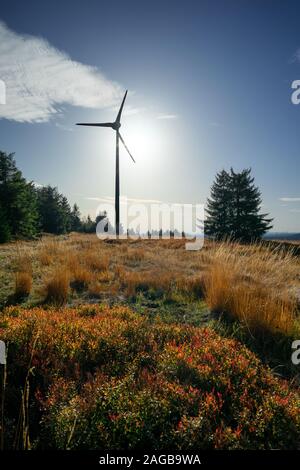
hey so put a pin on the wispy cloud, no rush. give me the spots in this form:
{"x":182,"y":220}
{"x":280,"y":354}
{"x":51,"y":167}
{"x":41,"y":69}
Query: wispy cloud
{"x":126,"y":200}
{"x":94,"y":198}
{"x":40,"y":79}
{"x":167,"y":116}
{"x":123,"y":200}
{"x":289,"y":199}
{"x":295,"y":210}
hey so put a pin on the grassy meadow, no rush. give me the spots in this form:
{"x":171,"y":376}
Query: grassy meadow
{"x":135,"y":344}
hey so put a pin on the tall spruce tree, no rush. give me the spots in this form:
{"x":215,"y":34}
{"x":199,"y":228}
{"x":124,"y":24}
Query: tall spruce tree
{"x":219,"y":206}
{"x":18,"y":212}
{"x":247,"y":223}
{"x":234,"y":206}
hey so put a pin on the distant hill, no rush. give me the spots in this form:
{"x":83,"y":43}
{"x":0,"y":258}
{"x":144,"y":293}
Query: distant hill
{"x":282,"y":236}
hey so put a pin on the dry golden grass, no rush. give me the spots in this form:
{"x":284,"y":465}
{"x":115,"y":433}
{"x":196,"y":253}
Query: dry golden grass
{"x":23,"y":284}
{"x":104,"y":276}
{"x":96,"y":261}
{"x":192,"y":285}
{"x":142,"y":281}
{"x":135,"y":255}
{"x":57,"y":287}
{"x":253,"y":285}
{"x":50,"y":250}
{"x":23,"y":259}
{"x":80,"y":277}
{"x":23,"y":272}
{"x":256,"y":284}
{"x":95,"y":289}
{"x":119,"y":272}
{"x":70,"y":260}
{"x":45,"y":258}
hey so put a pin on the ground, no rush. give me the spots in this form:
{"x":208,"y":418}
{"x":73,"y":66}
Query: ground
{"x":114,"y":332}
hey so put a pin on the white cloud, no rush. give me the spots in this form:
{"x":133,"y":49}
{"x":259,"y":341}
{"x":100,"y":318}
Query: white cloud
{"x":167,"y":116}
{"x":289,"y":199}
{"x":95,"y":198}
{"x":40,"y":79}
{"x":295,"y":210}
{"x":125,"y":200}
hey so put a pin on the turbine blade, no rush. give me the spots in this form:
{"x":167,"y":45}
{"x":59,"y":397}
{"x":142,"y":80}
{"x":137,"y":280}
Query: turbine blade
{"x":121,"y":108}
{"x":95,"y":124}
{"x":122,"y":140}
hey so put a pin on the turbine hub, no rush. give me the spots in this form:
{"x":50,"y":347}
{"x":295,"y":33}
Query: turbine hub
{"x":116,"y":125}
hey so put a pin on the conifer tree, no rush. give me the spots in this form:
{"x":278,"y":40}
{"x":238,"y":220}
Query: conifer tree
{"x":75,"y":219}
{"x":234,"y":208}
{"x":246,"y":222}
{"x":54,"y":211}
{"x":5,"y":234}
{"x":219,"y":207}
{"x":18,"y":201}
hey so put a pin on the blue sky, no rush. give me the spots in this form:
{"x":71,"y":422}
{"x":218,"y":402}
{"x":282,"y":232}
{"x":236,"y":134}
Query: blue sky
{"x":209,"y":88}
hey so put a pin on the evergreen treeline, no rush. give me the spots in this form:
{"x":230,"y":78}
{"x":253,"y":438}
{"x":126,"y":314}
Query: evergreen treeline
{"x":26,"y":210}
{"x":234,"y":206}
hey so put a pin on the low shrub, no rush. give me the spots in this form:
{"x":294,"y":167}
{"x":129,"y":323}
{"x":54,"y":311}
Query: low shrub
{"x":109,"y":378}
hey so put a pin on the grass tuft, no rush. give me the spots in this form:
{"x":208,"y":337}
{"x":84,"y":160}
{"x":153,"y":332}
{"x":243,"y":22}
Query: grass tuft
{"x":23,"y":284}
{"x":252,"y":285}
{"x":57,"y":288}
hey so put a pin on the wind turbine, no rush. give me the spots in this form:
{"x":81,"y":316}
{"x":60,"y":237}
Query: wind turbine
{"x":115,"y":126}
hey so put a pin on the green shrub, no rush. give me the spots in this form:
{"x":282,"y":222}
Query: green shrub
{"x":108,"y":378}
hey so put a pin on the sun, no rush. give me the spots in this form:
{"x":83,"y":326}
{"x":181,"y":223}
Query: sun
{"x":143,"y":139}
